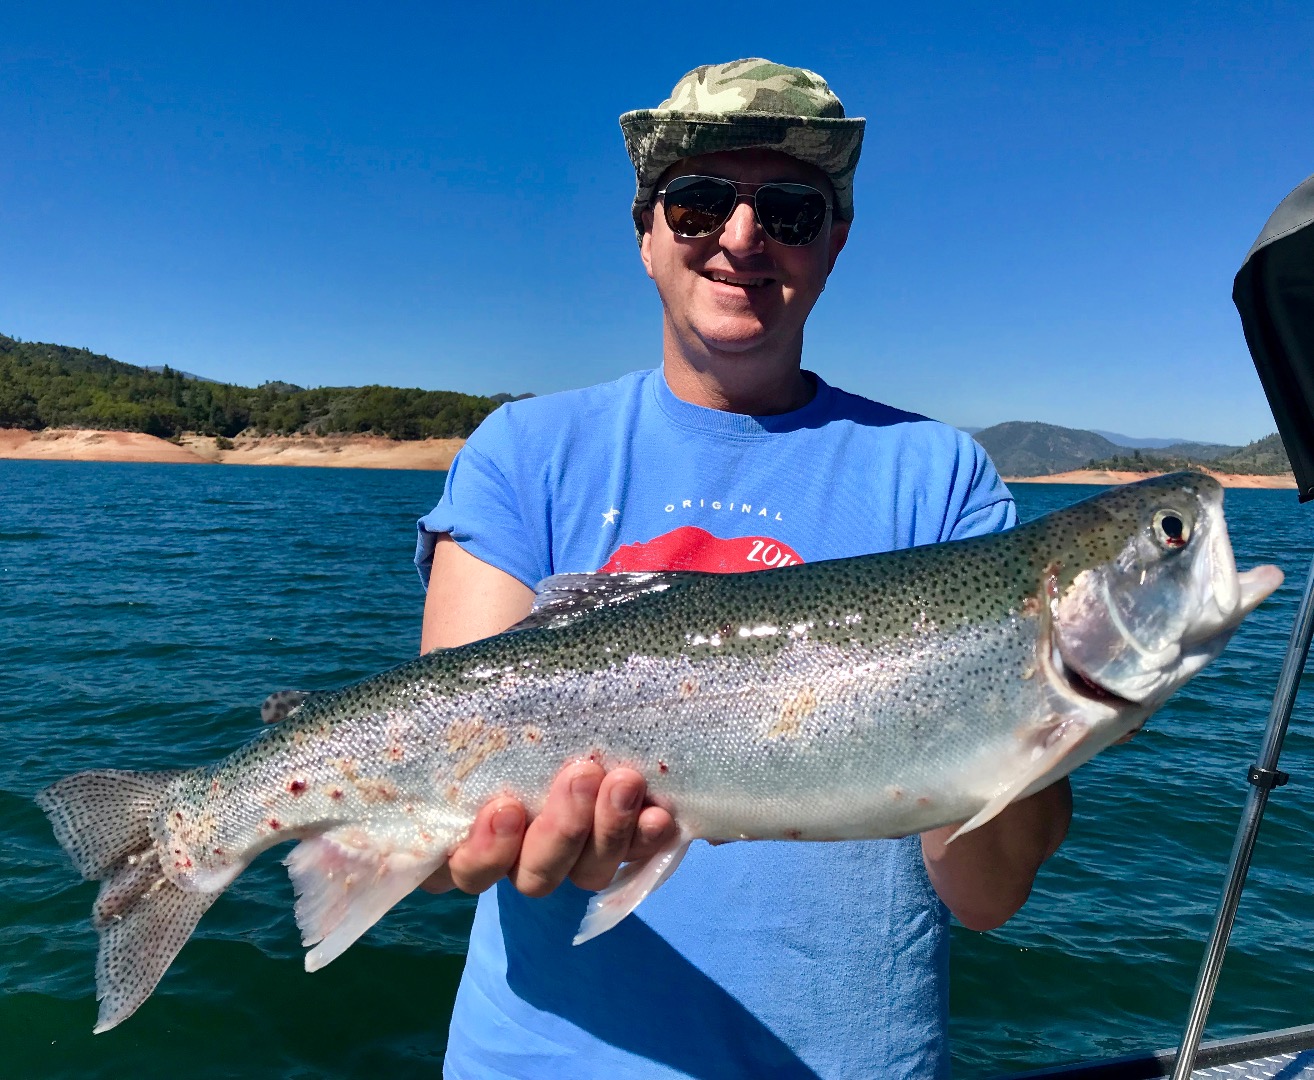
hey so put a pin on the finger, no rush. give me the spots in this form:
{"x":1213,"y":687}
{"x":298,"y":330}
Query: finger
{"x":615,"y":815}
{"x":656,"y":830}
{"x":440,"y":881}
{"x":556,"y":837}
{"x":490,"y":850}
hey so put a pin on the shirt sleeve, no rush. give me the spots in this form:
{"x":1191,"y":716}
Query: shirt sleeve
{"x":988,"y":506}
{"x":483,"y":509}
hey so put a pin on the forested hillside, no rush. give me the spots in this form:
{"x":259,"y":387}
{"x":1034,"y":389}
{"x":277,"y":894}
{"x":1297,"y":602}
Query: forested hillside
{"x":1026,"y":448}
{"x":54,"y":386}
{"x":45,"y":386}
{"x":1264,"y":457}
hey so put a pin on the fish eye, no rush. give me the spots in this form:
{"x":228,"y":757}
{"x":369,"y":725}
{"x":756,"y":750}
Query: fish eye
{"x":1171,"y":529}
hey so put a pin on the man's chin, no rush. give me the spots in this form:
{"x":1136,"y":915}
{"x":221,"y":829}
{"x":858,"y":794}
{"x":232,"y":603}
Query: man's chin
{"x":735,"y":336}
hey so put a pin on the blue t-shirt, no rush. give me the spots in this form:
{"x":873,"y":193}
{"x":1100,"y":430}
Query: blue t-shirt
{"x":765,"y":959}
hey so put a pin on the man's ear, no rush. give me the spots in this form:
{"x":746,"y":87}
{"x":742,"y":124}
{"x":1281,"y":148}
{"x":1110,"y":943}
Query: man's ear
{"x":645,"y":242}
{"x":839,"y":236}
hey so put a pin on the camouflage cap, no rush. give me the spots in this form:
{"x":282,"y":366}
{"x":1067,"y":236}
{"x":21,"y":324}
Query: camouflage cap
{"x":747,"y":104}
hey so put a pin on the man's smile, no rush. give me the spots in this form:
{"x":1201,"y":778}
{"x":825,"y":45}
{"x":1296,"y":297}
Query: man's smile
{"x":742,"y":280}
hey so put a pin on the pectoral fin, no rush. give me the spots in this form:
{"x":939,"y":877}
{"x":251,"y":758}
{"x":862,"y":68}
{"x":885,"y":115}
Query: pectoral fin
{"x":632,"y":883}
{"x":1048,"y":758}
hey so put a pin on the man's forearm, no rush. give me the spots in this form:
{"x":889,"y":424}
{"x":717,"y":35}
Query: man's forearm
{"x":985,"y":876}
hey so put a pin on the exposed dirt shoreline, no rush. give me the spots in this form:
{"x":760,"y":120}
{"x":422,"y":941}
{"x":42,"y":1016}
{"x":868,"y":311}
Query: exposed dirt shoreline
{"x":375,"y":452}
{"x":1100,"y":476}
{"x":341,"y":451}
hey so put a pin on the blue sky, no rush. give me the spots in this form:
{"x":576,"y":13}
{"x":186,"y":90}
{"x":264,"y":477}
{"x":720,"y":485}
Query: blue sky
{"x":1052,"y":202}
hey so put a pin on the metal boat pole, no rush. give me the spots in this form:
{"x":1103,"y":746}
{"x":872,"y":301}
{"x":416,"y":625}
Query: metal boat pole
{"x":1273,"y":292}
{"x":1263,"y":777}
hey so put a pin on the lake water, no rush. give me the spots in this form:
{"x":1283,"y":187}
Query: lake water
{"x":145,"y":612}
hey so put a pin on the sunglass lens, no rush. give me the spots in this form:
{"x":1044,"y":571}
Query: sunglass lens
{"x":791,"y":214}
{"x":699,"y":206}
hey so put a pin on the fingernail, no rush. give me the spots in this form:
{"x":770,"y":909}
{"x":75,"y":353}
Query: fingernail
{"x":625,"y":797}
{"x":584,"y":786}
{"x":508,"y":821}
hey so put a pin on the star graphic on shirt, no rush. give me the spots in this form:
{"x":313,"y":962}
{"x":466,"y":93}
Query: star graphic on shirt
{"x":609,"y":518}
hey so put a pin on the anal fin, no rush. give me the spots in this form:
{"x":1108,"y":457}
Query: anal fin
{"x":345,"y":882}
{"x":632,"y":883}
{"x":1061,"y":741}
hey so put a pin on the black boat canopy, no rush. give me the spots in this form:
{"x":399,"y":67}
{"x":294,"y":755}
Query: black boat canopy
{"x":1274,"y":292}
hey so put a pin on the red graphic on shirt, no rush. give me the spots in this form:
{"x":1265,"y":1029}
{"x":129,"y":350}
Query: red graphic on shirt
{"x":692,"y":548}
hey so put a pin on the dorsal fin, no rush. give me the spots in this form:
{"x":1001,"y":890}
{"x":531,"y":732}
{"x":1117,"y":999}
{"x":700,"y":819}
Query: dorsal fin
{"x":563,"y":597}
{"x":281,"y":704}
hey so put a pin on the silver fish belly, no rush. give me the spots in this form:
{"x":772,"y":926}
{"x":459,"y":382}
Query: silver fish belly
{"x":859,"y":698}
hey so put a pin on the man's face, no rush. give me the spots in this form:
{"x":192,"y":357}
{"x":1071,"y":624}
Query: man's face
{"x":738,"y":292}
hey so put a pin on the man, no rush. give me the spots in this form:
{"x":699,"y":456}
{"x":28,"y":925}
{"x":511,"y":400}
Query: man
{"x":755,"y":959}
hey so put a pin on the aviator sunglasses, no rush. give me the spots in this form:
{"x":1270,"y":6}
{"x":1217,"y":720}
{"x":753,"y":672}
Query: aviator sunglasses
{"x":791,"y":214}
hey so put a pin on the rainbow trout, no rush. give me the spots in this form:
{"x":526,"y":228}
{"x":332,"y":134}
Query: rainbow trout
{"x":868,"y":697}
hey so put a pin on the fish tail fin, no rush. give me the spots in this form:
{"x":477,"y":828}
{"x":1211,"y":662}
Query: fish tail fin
{"x":102,"y":820}
{"x":143,"y":919}
{"x":104,"y":815}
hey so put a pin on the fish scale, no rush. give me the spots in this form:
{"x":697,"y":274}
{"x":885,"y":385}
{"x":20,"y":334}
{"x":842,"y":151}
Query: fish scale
{"x":859,"y":698}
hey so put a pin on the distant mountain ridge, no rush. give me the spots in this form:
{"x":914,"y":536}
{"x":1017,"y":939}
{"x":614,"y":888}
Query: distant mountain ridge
{"x":1118,"y":439}
{"x":1029,"y":448}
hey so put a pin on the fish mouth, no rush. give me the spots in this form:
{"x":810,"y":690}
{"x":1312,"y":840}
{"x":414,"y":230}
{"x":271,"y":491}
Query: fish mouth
{"x":1077,"y":683}
{"x":1168,"y":666}
{"x":1059,"y":670}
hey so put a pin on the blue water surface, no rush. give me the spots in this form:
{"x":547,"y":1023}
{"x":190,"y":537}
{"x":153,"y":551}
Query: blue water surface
{"x":146,"y":610}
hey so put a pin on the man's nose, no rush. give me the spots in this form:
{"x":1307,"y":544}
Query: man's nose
{"x":741,"y":233}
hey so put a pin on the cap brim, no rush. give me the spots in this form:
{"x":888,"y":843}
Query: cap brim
{"x":656,"y":139}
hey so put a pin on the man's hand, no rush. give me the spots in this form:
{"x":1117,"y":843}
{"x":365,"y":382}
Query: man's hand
{"x":985,"y":876}
{"x":590,"y":824}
